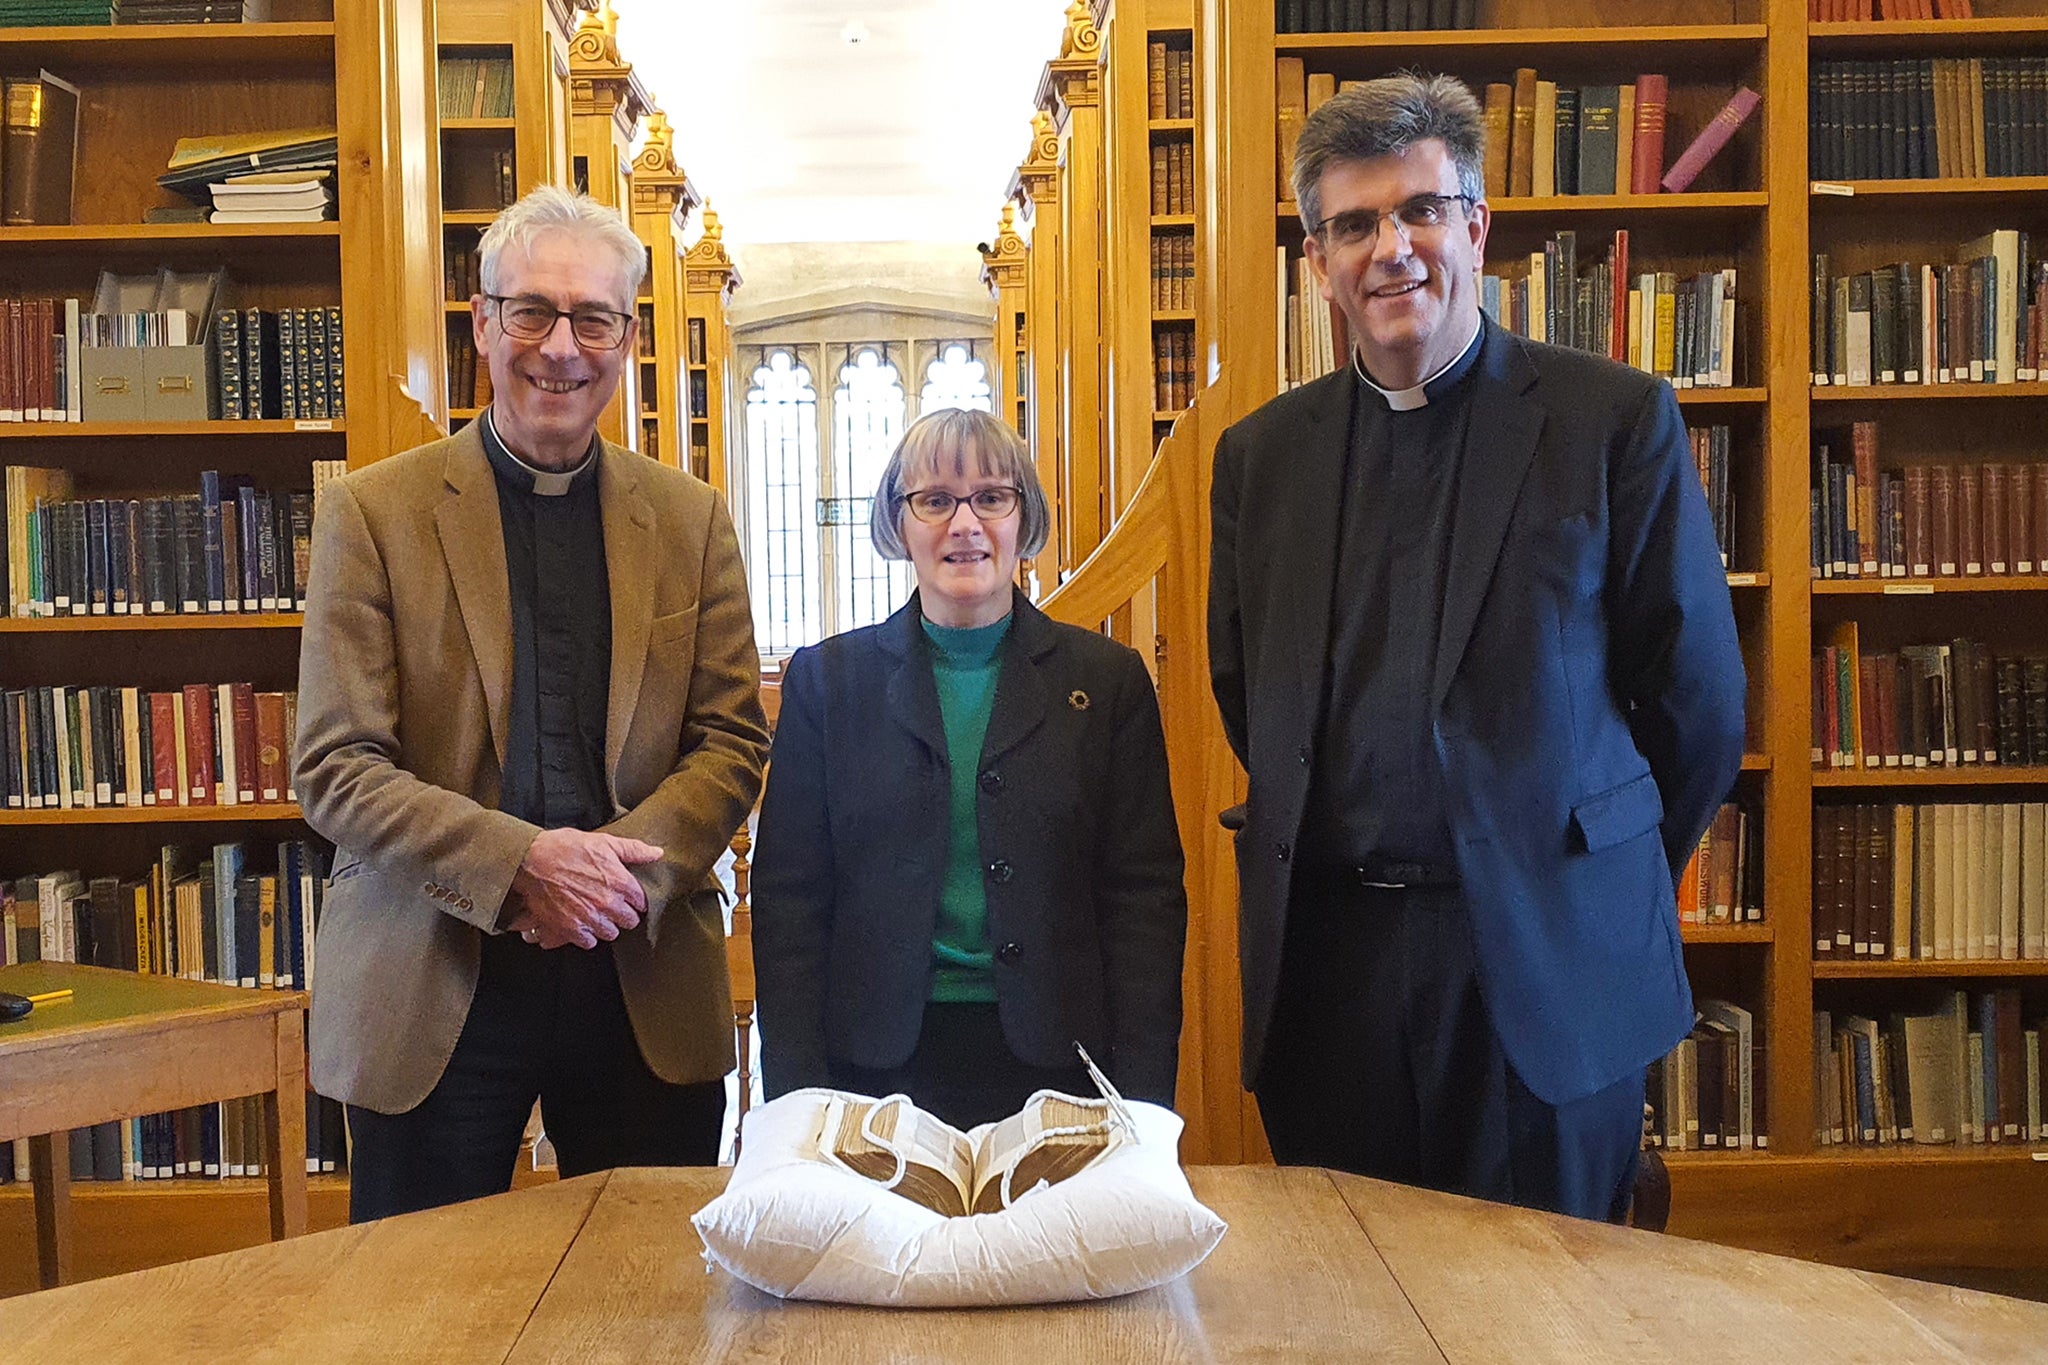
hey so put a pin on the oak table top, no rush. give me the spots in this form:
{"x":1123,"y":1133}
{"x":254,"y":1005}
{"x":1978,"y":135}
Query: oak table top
{"x":1316,"y":1266}
{"x":126,"y":1044}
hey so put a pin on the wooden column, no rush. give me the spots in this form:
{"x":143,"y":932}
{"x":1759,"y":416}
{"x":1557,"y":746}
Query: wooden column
{"x":1071,"y":92}
{"x":662,"y":198}
{"x":716,"y":452}
{"x":1038,"y":188}
{"x":1003,"y":271}
{"x":607,"y":102}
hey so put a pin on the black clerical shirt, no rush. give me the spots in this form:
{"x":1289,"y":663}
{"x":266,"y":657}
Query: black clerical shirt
{"x":561,"y":640}
{"x":1377,"y":792}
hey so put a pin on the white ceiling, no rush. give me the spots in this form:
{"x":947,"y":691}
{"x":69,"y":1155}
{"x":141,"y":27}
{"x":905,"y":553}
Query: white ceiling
{"x":797,"y":135}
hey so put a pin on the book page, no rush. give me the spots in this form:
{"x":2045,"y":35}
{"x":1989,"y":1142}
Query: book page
{"x":899,"y":1146}
{"x":1054,"y":1137}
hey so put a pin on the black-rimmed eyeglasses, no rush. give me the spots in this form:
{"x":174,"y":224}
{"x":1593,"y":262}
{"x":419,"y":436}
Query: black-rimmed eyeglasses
{"x":936,"y":506}
{"x":1423,"y":214}
{"x":526,"y":317}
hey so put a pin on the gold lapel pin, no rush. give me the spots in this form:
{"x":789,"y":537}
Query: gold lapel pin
{"x":1078,"y":699}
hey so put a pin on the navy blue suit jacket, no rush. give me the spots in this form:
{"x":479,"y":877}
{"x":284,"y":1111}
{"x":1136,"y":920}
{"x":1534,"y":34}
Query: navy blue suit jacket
{"x":1588,"y":691}
{"x":1087,"y":910}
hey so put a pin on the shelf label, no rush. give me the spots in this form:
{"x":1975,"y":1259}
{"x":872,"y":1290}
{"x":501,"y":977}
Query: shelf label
{"x":1833,"y":187}
{"x":1742,"y":580}
{"x":1909,"y":590}
{"x":312,"y":424}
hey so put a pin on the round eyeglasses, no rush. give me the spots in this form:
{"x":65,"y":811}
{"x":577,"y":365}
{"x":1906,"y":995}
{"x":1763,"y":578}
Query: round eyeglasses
{"x":936,"y":506}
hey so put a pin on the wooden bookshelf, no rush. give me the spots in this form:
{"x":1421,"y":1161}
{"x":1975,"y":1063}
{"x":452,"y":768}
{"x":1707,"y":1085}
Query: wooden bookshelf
{"x":153,"y":815}
{"x":212,"y":431}
{"x":1035,"y":190}
{"x":1944,"y":968}
{"x":607,"y":101}
{"x":176,"y":621}
{"x":663,"y":198}
{"x":1969,"y":775}
{"x":710,"y":279}
{"x":1003,"y":271}
{"x":1920,"y":587}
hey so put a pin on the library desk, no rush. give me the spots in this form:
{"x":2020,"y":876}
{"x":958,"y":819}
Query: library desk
{"x":1316,"y":1266}
{"x":126,"y":1044}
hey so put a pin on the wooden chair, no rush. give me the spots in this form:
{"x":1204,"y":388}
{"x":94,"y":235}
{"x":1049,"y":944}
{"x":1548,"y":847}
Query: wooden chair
{"x":739,"y":965}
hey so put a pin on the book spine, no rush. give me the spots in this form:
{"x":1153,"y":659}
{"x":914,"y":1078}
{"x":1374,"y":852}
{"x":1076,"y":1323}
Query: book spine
{"x":1711,"y":140}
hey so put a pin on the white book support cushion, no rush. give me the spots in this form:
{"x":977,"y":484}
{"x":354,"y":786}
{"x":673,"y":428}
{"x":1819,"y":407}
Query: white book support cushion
{"x":797,"y":1227}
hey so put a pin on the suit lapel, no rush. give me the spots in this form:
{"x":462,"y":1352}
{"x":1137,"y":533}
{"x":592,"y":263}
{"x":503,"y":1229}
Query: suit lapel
{"x":629,"y":559}
{"x":1022,"y":698}
{"x":473,"y":543}
{"x":913,"y":697}
{"x":1494,"y":463}
{"x":1307,"y":553}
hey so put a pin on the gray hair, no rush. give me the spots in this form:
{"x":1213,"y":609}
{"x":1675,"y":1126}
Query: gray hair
{"x":1384,"y":117}
{"x":966,"y":440}
{"x":550,"y":208}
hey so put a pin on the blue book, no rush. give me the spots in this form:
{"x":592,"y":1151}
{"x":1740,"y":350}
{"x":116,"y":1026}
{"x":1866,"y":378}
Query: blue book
{"x":216,"y":566}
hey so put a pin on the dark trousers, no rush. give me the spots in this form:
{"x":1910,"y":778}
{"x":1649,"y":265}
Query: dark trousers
{"x":1381,"y":1060}
{"x":546,"y":1025}
{"x":963,"y":1071}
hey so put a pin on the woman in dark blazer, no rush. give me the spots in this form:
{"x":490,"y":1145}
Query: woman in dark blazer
{"x":967,"y":859}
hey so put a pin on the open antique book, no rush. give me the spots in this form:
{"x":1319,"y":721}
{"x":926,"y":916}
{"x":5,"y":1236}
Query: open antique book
{"x":893,"y":1142}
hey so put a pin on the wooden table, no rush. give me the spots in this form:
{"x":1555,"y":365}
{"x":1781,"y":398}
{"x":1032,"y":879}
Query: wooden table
{"x":1316,"y":1266}
{"x":127,"y":1044}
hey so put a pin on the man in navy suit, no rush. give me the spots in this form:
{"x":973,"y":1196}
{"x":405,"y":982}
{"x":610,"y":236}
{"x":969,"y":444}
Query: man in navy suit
{"x":1471,"y":638}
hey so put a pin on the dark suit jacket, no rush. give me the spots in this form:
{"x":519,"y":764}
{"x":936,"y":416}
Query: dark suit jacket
{"x":1587,"y":703}
{"x":1086,"y":906}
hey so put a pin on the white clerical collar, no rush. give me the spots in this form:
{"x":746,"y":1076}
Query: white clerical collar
{"x":1407,"y":400}
{"x":547,"y":483}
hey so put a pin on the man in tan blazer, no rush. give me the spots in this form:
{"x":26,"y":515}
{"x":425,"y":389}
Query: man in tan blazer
{"x":529,"y":721}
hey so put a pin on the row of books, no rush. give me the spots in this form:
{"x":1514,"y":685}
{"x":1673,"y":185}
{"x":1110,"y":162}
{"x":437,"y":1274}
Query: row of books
{"x":1926,"y":706}
{"x":273,"y":197}
{"x":1173,"y":271}
{"x":1373,"y":16}
{"x":207,"y":744}
{"x":1724,"y":882}
{"x":1967,"y":1074}
{"x":1922,"y":118}
{"x":1926,"y":520}
{"x":1869,"y":11}
{"x":209,"y":1142}
{"x":1173,"y":368}
{"x":1931,"y":882}
{"x":196,"y":163}
{"x":41,"y":375}
{"x":1546,"y":139}
{"x":461,"y":263}
{"x":230,"y":547}
{"x":1682,"y":328}
{"x":283,"y":363}
{"x":1706,"y":1094}
{"x":1308,"y":348}
{"x":1169,"y":80}
{"x":1711,"y":452}
{"x":469,"y":383}
{"x":1173,"y":177}
{"x":1981,"y":318}
{"x":475,"y":85}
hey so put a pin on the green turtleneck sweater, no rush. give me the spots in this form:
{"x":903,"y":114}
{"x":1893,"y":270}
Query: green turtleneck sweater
{"x":965,"y":665}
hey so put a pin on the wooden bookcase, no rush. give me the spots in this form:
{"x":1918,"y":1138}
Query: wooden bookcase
{"x":662,"y":198}
{"x":1898,"y":1208}
{"x":710,"y":377}
{"x":145,"y":86}
{"x":1035,"y":191}
{"x":1003,"y":271}
{"x":530,"y":41}
{"x":606,"y":103}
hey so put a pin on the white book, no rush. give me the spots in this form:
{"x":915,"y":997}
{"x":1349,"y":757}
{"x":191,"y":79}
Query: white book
{"x":2034,"y":879}
{"x":1947,"y":896}
{"x":227,"y":790}
{"x":269,"y":215}
{"x":1970,"y":879}
{"x":1991,"y":880}
{"x":60,"y":711}
{"x":131,"y":742}
{"x":1724,"y":339}
{"x":2009,"y":883}
{"x":74,"y":382}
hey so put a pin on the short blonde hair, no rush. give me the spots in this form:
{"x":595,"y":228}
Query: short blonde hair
{"x":550,"y":208}
{"x":965,"y":440}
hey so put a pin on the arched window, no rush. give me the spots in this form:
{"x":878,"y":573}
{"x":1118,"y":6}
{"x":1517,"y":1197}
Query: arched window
{"x":783,"y":553}
{"x":955,"y":380}
{"x":867,"y":422}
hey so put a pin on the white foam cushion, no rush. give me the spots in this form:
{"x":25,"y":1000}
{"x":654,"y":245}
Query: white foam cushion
{"x":797,"y":1227}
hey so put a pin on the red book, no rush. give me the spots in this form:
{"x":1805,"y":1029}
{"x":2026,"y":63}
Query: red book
{"x":1617,"y":259}
{"x":200,"y":775}
{"x":1970,"y":518}
{"x":1888,"y":709}
{"x":1651,"y":93}
{"x":242,"y":697}
{"x":1996,"y":557}
{"x":1919,"y":544}
{"x":1863,"y":443}
{"x":2019,"y":501}
{"x":270,"y":746}
{"x":1711,"y":140}
{"x":163,"y":747}
{"x":1870,"y":742}
{"x":1943,"y":523}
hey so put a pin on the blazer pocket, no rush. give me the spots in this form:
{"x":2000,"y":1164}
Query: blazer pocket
{"x":677,"y":625}
{"x":1619,"y":813}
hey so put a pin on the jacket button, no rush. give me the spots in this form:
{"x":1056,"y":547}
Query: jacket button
{"x":1284,"y":849}
{"x":1302,"y":754}
{"x":1009,"y":953}
{"x":999,"y":871}
{"x":991,"y":781}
